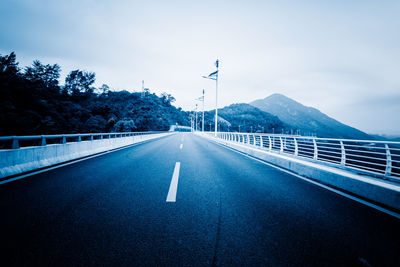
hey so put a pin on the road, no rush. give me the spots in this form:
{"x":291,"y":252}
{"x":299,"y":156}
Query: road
{"x":229,"y":210}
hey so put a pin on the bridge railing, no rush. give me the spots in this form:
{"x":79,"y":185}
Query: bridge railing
{"x":379,"y":158}
{"x":15,"y":142}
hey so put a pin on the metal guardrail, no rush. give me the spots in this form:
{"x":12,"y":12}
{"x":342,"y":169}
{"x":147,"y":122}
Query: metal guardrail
{"x":15,"y":142}
{"x":379,"y":158}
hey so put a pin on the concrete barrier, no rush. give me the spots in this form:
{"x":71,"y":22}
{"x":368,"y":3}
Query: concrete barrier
{"x":385,"y":193}
{"x":16,"y":161}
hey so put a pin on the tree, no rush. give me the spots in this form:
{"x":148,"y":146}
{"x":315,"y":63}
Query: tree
{"x":9,"y":64}
{"x":47,"y":74}
{"x":167,"y":98}
{"x":104,"y":89}
{"x":125,"y":125}
{"x":80,"y":82}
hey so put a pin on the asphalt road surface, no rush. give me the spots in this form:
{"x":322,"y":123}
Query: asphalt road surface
{"x":182,"y":200}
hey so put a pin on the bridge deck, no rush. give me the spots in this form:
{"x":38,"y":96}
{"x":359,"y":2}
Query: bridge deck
{"x":229,"y":210}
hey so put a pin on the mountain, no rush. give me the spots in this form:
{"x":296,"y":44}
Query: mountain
{"x":244,"y":118}
{"x":306,"y":119}
{"x":384,"y":137}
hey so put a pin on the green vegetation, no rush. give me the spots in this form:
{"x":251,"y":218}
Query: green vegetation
{"x":33,"y":102}
{"x":243,"y":118}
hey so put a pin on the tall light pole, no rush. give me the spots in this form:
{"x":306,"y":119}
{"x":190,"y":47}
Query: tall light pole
{"x":202,"y":123}
{"x":214,"y":76}
{"x":201,"y":98}
{"x":196,"y":119}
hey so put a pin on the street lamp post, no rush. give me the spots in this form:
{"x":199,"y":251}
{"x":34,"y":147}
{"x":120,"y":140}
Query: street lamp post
{"x":202,"y":123}
{"x":214,"y":76}
{"x":202,"y":100}
{"x":196,"y":118}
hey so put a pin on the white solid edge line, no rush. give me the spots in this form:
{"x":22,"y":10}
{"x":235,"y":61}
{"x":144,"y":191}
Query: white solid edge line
{"x":389,"y":212}
{"x":69,"y":163}
{"x":173,"y":187}
{"x":181,"y":146}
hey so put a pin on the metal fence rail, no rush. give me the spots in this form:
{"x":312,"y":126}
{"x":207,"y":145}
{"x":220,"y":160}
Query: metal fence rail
{"x":379,"y":158}
{"x":15,"y":142}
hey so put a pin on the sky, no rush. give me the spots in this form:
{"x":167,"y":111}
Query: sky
{"x":342,"y":57}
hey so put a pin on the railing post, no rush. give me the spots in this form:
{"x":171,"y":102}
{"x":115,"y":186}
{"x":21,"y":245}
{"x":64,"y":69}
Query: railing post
{"x":343,"y":157}
{"x":91,"y":137}
{"x":79,"y":138}
{"x":315,"y":149}
{"x":281,"y":147}
{"x":388,"y":170}
{"x":296,"y":147}
{"x":43,"y":141}
{"x":261,"y":141}
{"x":269,"y":143}
{"x":15,"y":143}
{"x":63,"y":140}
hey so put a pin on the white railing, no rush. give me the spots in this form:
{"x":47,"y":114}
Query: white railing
{"x":15,"y":142}
{"x":379,"y":158}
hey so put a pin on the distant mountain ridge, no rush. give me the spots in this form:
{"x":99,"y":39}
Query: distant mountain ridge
{"x":250,"y":119}
{"x":306,"y":119}
{"x":244,"y":118}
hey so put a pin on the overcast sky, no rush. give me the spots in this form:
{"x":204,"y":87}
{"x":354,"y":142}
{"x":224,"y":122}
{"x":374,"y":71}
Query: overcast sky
{"x":342,"y":57}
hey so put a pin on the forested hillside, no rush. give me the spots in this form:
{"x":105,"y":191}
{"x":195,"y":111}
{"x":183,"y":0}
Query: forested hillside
{"x":33,"y":102}
{"x":244,"y":118}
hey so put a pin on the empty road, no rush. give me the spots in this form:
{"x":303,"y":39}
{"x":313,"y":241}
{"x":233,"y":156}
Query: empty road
{"x":182,"y":200}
